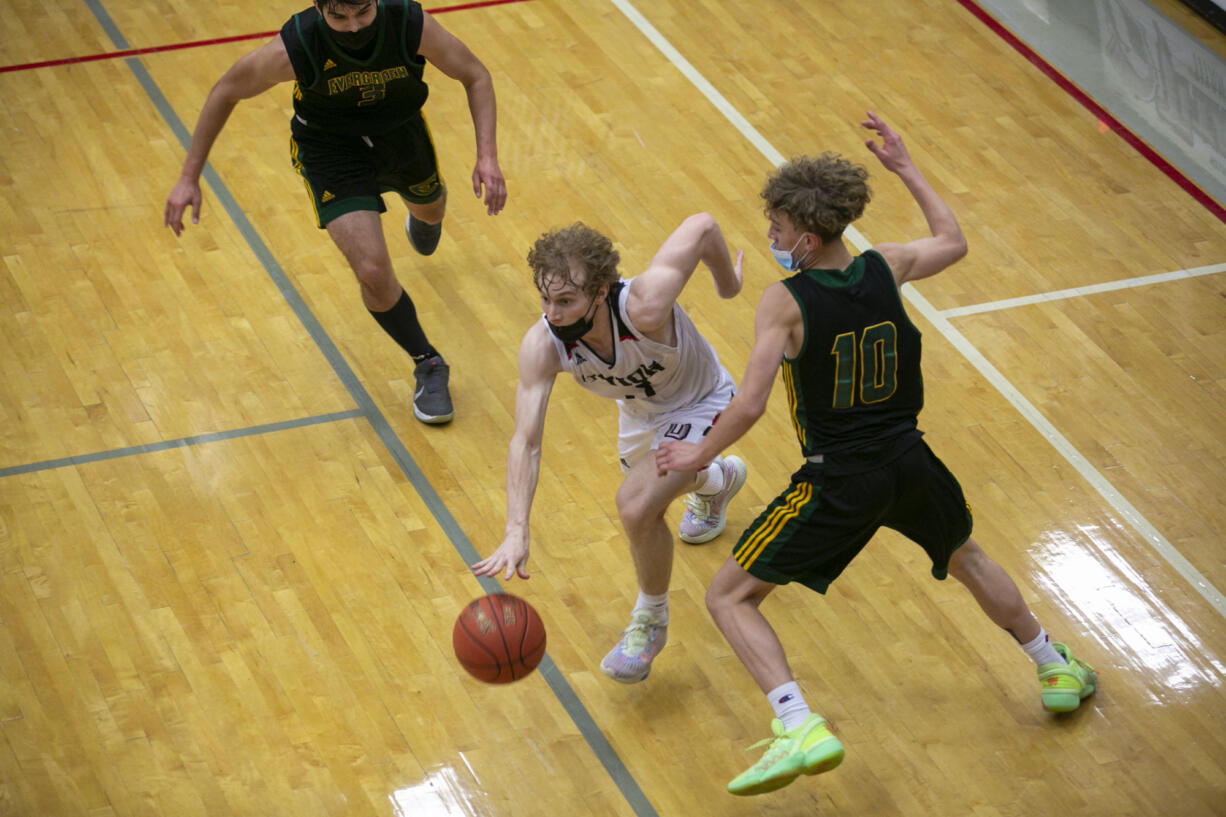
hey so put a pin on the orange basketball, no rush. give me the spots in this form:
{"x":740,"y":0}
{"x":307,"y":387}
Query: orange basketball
{"x":498,"y":638}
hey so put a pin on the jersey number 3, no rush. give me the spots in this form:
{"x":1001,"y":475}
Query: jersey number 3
{"x":869,"y":367}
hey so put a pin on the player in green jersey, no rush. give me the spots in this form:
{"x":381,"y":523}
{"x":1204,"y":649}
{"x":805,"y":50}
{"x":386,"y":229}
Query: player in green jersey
{"x":850,"y":360}
{"x":357,"y":132}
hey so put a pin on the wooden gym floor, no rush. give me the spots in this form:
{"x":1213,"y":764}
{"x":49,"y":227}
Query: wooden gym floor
{"x":230,"y":558}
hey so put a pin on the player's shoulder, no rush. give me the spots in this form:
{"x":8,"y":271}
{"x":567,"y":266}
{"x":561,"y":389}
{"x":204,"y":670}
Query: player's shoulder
{"x":779,"y":305}
{"x":777,"y":294}
{"x":538,"y":348}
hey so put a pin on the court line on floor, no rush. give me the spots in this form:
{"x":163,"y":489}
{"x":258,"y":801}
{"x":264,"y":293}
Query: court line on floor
{"x":181,"y":442}
{"x":561,"y":689}
{"x":1024,"y":407}
{"x":1078,"y":292}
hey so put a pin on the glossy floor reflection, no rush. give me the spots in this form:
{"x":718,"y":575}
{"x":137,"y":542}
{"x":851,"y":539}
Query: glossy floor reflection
{"x":1125,"y":614}
{"x":446,"y":792}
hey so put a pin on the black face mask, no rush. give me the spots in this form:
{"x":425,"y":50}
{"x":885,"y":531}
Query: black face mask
{"x":355,"y":40}
{"x":571,"y":332}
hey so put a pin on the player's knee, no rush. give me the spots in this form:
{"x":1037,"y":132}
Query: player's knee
{"x":717,"y":600}
{"x":730,"y":587}
{"x":634,"y":513}
{"x":431,"y":213}
{"x":376,"y":277}
{"x":967,"y":561}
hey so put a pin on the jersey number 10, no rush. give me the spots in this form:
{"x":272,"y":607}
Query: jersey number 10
{"x":872,"y":364}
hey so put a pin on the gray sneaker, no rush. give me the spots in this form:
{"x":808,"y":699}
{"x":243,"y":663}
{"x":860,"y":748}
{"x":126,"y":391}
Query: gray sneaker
{"x":424,"y":237}
{"x":431,"y":400}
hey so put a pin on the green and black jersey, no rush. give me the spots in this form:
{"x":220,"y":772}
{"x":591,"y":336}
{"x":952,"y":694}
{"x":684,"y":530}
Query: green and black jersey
{"x":341,"y":93}
{"x":855,"y":389}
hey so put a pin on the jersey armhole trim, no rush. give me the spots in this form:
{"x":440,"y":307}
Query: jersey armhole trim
{"x":411,"y":46}
{"x":804,"y":323}
{"x":303,"y":50}
{"x":902,"y":306}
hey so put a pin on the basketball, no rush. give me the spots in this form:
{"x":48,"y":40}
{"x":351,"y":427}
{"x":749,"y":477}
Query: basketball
{"x":498,"y":638}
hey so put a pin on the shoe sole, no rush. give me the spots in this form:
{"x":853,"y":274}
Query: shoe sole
{"x":737,"y":484}
{"x":619,"y":679}
{"x":825,"y":756}
{"x":433,"y":421}
{"x":766,"y":787}
{"x":624,"y":680}
{"x":1066,"y":700}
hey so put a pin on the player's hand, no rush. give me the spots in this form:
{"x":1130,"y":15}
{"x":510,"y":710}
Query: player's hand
{"x":186,"y":193}
{"x":487,"y":179}
{"x":891,"y":152}
{"x":511,"y":556}
{"x":680,"y":457}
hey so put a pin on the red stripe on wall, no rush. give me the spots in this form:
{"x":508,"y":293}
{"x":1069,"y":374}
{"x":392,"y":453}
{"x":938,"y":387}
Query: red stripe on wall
{"x":1189,"y":186}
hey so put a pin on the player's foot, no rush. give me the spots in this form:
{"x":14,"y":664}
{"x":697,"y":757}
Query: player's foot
{"x":705,"y":515}
{"x":424,"y":237}
{"x":630,"y":661}
{"x":805,"y":749}
{"x":1064,"y":686}
{"x":431,"y":400}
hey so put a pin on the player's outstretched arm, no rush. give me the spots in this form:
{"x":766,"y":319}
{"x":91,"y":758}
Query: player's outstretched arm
{"x":776,"y":324}
{"x":697,"y":240}
{"x":538,"y":367}
{"x":926,"y":256}
{"x":253,"y":74}
{"x":451,"y":56}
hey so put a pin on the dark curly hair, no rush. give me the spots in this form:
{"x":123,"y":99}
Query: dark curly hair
{"x":328,"y":5}
{"x":818,"y":195}
{"x":552,"y":254}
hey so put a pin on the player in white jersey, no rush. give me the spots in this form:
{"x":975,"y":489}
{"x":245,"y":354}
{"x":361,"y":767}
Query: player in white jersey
{"x":627,"y":340}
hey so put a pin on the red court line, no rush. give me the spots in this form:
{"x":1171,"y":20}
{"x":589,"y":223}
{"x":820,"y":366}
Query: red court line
{"x":264,"y":35}
{"x":1189,"y":186}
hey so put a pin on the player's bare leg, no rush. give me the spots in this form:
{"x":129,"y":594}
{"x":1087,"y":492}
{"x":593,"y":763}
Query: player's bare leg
{"x":642,"y":500}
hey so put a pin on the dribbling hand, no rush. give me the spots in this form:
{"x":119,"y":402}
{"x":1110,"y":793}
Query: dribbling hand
{"x":185,"y":194}
{"x":511,"y":556}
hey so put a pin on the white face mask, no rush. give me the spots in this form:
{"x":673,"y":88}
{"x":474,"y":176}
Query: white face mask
{"x":784,"y":257}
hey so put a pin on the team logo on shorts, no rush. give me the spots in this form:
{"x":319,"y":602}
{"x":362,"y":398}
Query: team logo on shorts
{"x":425,"y":188}
{"x":678,"y":431}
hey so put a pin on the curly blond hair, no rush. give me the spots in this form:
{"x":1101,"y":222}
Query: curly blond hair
{"x":551,"y":256}
{"x":819,"y":195}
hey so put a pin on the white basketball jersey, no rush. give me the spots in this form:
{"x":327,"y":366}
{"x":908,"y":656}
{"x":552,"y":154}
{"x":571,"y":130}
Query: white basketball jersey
{"x":646,"y":378}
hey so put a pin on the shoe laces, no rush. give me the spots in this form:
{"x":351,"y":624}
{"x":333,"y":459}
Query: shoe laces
{"x":638,"y":633}
{"x":699,"y":505}
{"x":780,"y":746}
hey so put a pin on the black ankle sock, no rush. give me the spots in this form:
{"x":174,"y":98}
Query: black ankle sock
{"x":401,"y":323}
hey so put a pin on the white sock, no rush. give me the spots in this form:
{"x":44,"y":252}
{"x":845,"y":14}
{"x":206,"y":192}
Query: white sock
{"x":714,"y":482}
{"x":1041,"y":651}
{"x":658,"y":605}
{"x":789,"y":705}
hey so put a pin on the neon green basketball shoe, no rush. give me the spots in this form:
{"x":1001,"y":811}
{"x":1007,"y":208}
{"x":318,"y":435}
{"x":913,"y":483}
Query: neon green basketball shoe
{"x":805,"y":749}
{"x":1065,"y":686}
